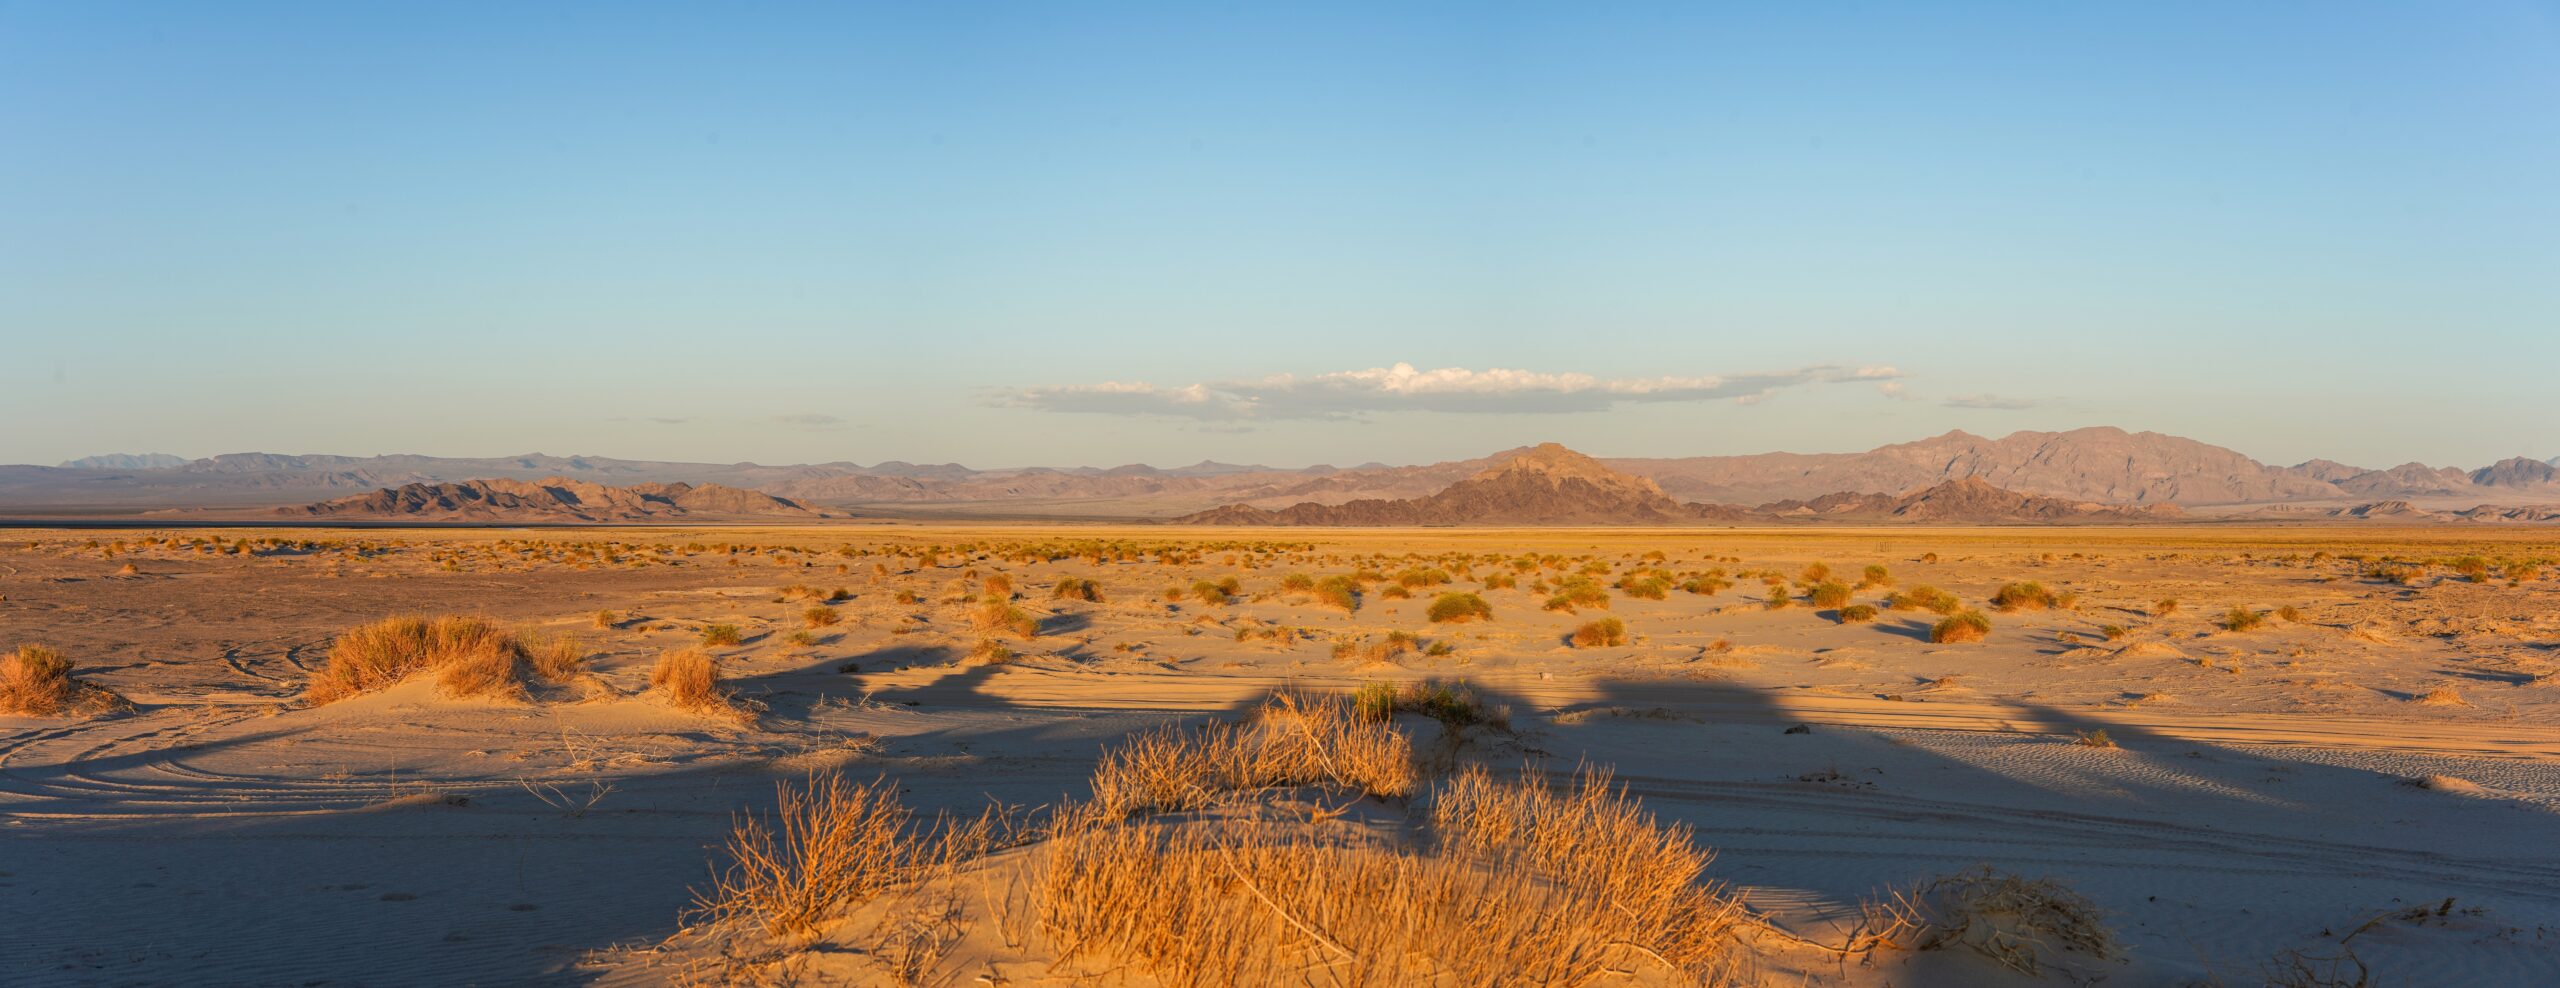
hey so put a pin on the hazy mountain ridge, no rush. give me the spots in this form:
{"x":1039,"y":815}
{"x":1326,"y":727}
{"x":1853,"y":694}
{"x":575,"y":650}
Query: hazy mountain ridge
{"x":553,"y":499}
{"x":2091,"y":465}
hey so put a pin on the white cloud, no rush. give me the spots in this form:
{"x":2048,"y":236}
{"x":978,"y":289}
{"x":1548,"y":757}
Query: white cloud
{"x":1345,"y":394}
{"x":1989,"y":401}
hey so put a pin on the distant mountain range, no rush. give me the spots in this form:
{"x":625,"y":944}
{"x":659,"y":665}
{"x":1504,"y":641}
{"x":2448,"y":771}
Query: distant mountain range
{"x":2102,"y":466}
{"x":554,"y":499}
{"x":1551,"y":485}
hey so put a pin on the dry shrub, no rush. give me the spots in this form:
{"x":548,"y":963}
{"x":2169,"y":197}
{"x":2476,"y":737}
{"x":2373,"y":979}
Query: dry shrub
{"x":1923,"y":598}
{"x":689,"y":679}
{"x":1291,"y":741}
{"x":557,"y":659}
{"x":1966,"y":626}
{"x":2028,"y":596}
{"x":1600,"y":633}
{"x":830,"y":847}
{"x":1077,"y":588}
{"x":1459,"y":608}
{"x":1577,"y":593}
{"x":1521,"y":886}
{"x":36,"y":681}
{"x":2242,"y":619}
{"x":717,"y":635}
{"x":1857,"y":614}
{"x":999,"y":586}
{"x":469,"y":657}
{"x":2015,"y":921}
{"x":1828,"y":594}
{"x":1339,"y":591}
{"x":821,"y":616}
{"x":996,"y":615}
{"x":2441,"y":696}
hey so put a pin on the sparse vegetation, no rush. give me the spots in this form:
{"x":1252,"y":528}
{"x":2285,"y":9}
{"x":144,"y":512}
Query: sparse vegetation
{"x":720,"y":635}
{"x":1923,"y":598}
{"x":1458,"y":608}
{"x":2242,"y":619}
{"x":1600,"y":633}
{"x":1963,"y":626}
{"x":1857,"y":614}
{"x":1828,"y":595}
{"x":468,"y":656}
{"x":36,"y":681}
{"x":2028,"y":596}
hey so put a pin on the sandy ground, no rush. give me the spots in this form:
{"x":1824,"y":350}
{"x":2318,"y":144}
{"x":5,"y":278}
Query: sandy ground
{"x":2264,"y":795}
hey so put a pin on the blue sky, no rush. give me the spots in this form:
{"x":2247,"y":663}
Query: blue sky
{"x":942,"y":232}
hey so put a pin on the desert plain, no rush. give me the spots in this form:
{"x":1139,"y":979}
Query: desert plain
{"x":2180,"y":755}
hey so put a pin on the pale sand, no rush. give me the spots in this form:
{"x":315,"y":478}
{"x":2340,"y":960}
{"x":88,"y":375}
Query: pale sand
{"x":2261,"y":797}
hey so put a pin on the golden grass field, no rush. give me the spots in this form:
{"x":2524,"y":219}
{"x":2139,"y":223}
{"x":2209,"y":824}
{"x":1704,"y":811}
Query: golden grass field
{"x":1035,"y":755}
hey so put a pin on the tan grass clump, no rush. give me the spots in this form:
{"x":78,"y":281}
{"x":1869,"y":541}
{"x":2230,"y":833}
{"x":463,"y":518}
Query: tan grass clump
{"x":2028,"y":596}
{"x":829,"y":847}
{"x":1459,"y":608}
{"x":36,"y":681}
{"x":1857,"y":614}
{"x":1601,"y":633}
{"x":1965,"y":626}
{"x":1291,"y":741}
{"x":1828,"y":594}
{"x":1519,"y":885}
{"x":2023,"y":924}
{"x":469,"y":657}
{"x":1923,"y":598}
{"x":1077,"y":588}
{"x":689,"y":679}
{"x":996,"y":615}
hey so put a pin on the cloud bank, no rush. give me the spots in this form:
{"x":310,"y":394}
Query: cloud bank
{"x":1348,"y":394}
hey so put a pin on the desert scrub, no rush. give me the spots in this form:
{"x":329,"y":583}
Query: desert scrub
{"x":1577,"y":593}
{"x":821,"y":616}
{"x":1077,"y":588}
{"x":1219,"y":592}
{"x":2165,"y":607}
{"x":1829,"y":594}
{"x":1964,"y":626}
{"x":1339,"y":591}
{"x":469,"y":657}
{"x":1646,"y":585}
{"x":1501,"y":581}
{"x":1600,"y":633}
{"x":1857,"y":614}
{"x":2242,"y":619}
{"x":718,"y":635}
{"x":1459,"y":608}
{"x":1876,"y":576}
{"x":36,"y":681}
{"x":2028,"y":596}
{"x":1923,"y":598}
{"x":996,"y":615}
{"x":689,"y":679}
{"x":2114,"y":632}
{"x":1706,"y":586}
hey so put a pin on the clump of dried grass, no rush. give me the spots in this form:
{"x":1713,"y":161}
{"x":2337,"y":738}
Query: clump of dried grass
{"x":828,"y":847}
{"x":36,"y":681}
{"x":469,"y":656}
{"x":2023,"y":924}
{"x":996,"y":615}
{"x":689,"y":679}
{"x":1600,"y":634}
{"x":1291,"y":741}
{"x":1516,"y":884}
{"x":1964,"y":626}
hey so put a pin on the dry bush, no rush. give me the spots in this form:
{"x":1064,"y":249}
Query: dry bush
{"x":1857,"y":614}
{"x":2114,"y":632}
{"x":1923,"y":598}
{"x":36,"y":681}
{"x":1600,"y":633}
{"x":1576,"y":593}
{"x":821,"y":616}
{"x":1291,"y":740}
{"x":1876,"y":576}
{"x":1521,"y":886}
{"x":1828,"y":595}
{"x":605,"y":620}
{"x":2028,"y":596}
{"x":2015,"y":921}
{"x":1459,"y":608}
{"x":717,"y":635}
{"x":831,"y":846}
{"x":558,"y":659}
{"x":1339,"y":591}
{"x":999,"y":586}
{"x":689,"y":679}
{"x":2165,"y":607}
{"x":469,"y":657}
{"x":2242,"y":619}
{"x":2290,"y":614}
{"x":1707,"y":586}
{"x":1077,"y":588}
{"x":996,"y":615}
{"x":1964,"y":626}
